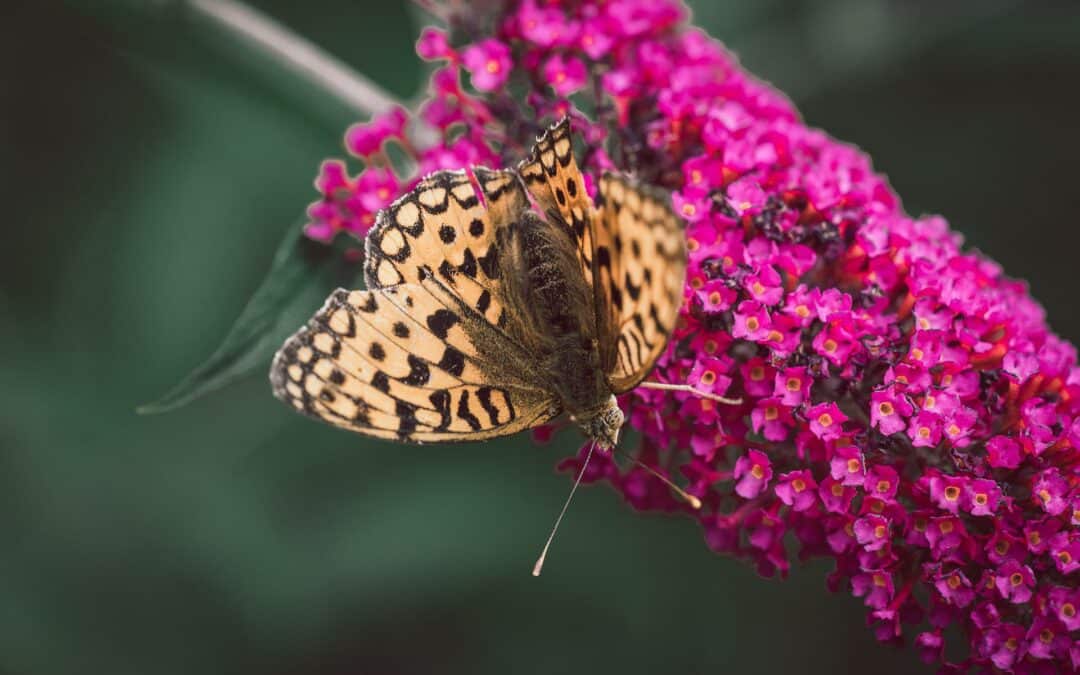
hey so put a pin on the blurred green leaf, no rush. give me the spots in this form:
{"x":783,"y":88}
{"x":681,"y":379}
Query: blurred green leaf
{"x":302,"y":275}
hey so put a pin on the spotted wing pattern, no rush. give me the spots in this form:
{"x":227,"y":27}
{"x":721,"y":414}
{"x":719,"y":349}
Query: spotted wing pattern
{"x":399,"y":363}
{"x":641,"y":269}
{"x":424,"y":355}
{"x":552,"y":176}
{"x":443,"y":225}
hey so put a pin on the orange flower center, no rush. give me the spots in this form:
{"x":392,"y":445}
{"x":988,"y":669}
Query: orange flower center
{"x":946,"y":527}
{"x":830,"y":345}
{"x":879,"y":531}
{"x":711,"y":346}
{"x":917,"y":354}
{"x":1065,"y":557}
{"x":696,"y":283}
{"x":689,"y":209}
{"x":757,"y":288}
{"x":1002,"y":547}
{"x":883,"y":485}
{"x":775,"y":336}
{"x":794,"y":384}
{"x":708,"y":377}
{"x":757,"y":471}
{"x":885,"y":408}
{"x":825,"y":420}
{"x":757,"y":373}
{"x":924,"y":432}
{"x":854,"y":465}
{"x":492,"y":66}
{"x":981,"y":499}
{"x":1034,"y":538}
{"x":1016,"y":579}
{"x":954,"y":582}
{"x":880,"y":580}
{"x":1045,"y":495}
{"x":798,"y":485}
{"x":752,"y":323}
{"x":802,"y":311}
{"x":771,"y":413}
{"x":1046,"y":636}
{"x":1068,"y":610}
{"x":837,"y":490}
{"x":692,"y":244}
{"x":952,"y":493}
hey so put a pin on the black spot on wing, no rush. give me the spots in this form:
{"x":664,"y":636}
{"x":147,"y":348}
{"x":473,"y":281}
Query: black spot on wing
{"x":463,"y":411}
{"x":631,"y":289}
{"x":447,"y":271}
{"x":381,"y":381}
{"x":447,"y":234}
{"x":484,"y":396}
{"x":376,"y":351}
{"x":337,"y":377}
{"x":476,"y":227}
{"x":441,"y":400}
{"x":406,"y":413}
{"x":452,"y":361}
{"x":483,"y":302}
{"x":441,"y":321}
{"x":401,"y":330}
{"x":468,"y":266}
{"x":419,"y":373}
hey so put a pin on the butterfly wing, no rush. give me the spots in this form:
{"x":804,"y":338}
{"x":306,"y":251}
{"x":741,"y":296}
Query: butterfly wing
{"x":644,"y":269}
{"x":552,"y":176}
{"x":427,"y":353}
{"x":631,"y":248}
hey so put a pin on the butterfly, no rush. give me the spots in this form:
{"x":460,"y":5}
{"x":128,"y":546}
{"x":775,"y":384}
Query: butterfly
{"x":485,"y":316}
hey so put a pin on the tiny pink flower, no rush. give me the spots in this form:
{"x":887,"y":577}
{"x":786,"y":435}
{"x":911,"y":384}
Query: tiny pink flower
{"x":753,"y":471}
{"x":797,"y":489}
{"x":793,"y":386}
{"x":889,"y":410}
{"x":565,"y":75}
{"x":826,"y":420}
{"x":488,"y":61}
{"x":846,"y":466}
{"x":1014,"y":581}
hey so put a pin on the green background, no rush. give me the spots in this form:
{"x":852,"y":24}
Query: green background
{"x":150,"y":166}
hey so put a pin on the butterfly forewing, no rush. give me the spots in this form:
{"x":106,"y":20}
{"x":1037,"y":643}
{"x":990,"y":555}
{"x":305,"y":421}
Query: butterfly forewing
{"x":426,"y":354}
{"x":552,"y":176}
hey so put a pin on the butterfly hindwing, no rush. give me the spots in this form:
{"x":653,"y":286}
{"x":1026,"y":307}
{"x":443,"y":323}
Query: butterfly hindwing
{"x":641,"y":268}
{"x":402,"y":363}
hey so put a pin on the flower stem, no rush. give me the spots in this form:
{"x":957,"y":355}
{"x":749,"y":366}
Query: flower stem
{"x":297,"y":54}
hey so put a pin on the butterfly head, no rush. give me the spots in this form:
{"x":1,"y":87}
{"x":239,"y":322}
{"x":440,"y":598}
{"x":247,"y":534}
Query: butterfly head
{"x":603,"y":423}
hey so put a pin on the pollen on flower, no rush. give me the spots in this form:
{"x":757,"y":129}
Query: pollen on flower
{"x":905,"y":409}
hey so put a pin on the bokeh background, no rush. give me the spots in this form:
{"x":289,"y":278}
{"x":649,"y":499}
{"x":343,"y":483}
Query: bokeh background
{"x":150,"y":165}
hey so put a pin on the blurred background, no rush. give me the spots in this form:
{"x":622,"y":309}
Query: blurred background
{"x":152,"y":165}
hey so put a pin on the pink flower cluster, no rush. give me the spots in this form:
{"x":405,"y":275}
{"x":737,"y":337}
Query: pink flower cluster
{"x":904,"y":408}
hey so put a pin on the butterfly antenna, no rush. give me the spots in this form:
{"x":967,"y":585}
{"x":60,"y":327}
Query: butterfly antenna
{"x":690,"y":390}
{"x":543,"y":554}
{"x":693,"y":501}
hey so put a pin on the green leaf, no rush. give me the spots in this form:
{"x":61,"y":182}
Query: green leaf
{"x":302,"y":275}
